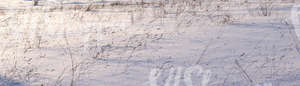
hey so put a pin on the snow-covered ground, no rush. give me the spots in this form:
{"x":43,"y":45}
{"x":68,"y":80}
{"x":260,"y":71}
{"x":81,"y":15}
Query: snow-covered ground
{"x":241,"y":45}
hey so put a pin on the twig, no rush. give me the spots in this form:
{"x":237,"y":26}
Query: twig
{"x":203,"y":53}
{"x":60,"y":78}
{"x":73,"y":67}
{"x":246,"y":75}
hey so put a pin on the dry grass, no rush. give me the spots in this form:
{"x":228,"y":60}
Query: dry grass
{"x":2,"y":12}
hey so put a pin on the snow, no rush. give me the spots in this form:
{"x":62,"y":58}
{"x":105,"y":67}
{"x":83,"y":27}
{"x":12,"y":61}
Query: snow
{"x":126,"y":45}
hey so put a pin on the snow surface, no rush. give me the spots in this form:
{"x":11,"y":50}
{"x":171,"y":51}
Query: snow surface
{"x":121,"y":45}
